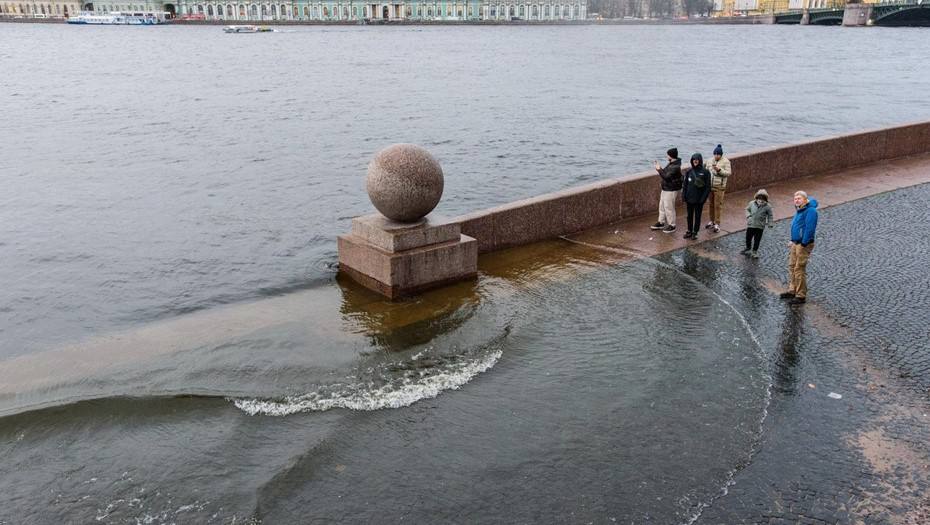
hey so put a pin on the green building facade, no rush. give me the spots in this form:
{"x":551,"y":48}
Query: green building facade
{"x":427,"y":10}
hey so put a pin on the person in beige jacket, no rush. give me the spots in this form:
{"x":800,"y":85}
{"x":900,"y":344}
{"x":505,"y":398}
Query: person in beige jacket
{"x":719,"y":173}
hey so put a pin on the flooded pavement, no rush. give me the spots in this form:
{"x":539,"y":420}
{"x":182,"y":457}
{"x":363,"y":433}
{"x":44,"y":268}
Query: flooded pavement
{"x":865,"y":457}
{"x":566,"y":385}
{"x":569,"y":384}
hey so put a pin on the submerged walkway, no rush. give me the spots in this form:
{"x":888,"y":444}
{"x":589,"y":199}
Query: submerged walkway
{"x":847,"y":435}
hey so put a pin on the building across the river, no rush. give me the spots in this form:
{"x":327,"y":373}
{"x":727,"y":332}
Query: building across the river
{"x":43,"y":9}
{"x":296,"y":10}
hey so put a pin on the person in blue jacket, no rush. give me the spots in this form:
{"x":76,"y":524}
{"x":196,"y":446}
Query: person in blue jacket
{"x":803,"y":229}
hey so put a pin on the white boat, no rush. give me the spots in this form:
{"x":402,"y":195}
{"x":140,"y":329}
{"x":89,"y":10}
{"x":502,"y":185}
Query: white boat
{"x":247,"y":29}
{"x":146,"y":18}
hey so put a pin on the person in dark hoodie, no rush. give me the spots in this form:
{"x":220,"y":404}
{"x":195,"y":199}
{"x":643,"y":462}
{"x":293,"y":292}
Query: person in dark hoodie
{"x":695,"y":192}
{"x":671,"y":185}
{"x":803,"y":228}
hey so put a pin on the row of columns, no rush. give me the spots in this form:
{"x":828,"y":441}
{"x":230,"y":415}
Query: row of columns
{"x":56,"y":9}
{"x":353,"y":11}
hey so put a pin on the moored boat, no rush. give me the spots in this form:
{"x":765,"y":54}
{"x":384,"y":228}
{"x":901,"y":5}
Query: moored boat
{"x":247,"y":29}
{"x":146,"y":18}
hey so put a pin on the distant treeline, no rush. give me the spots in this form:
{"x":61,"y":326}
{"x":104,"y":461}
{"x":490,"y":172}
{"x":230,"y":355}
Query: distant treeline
{"x":649,"y":8}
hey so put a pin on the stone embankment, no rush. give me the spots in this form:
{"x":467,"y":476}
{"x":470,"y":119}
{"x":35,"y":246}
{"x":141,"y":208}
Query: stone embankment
{"x":587,"y":207}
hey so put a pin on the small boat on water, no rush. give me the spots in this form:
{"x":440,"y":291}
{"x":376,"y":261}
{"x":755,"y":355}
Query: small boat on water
{"x":247,"y":29}
{"x":147,"y":18}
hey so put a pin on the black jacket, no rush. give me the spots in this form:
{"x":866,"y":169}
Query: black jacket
{"x":697,"y":182}
{"x":671,"y":176}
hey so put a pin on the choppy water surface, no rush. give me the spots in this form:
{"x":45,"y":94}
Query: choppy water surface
{"x":627,"y":392}
{"x":151,"y":172}
{"x":173,"y":347}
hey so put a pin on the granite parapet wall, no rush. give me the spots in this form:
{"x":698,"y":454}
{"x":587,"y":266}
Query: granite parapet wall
{"x":579,"y":208}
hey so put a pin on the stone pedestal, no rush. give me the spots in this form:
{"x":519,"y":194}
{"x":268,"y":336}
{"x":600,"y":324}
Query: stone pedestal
{"x":398,"y":259}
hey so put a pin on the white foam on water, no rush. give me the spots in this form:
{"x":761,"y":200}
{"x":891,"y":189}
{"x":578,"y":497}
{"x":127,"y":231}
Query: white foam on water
{"x":392,"y":395}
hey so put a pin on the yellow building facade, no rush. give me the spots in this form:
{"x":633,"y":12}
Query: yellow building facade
{"x":44,"y":9}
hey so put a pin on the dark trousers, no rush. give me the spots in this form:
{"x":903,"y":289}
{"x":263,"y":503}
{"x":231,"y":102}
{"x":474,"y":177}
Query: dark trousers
{"x":694,"y":216}
{"x":753,"y":238}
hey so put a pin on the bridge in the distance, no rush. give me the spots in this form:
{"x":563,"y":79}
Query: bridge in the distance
{"x":896,"y":13}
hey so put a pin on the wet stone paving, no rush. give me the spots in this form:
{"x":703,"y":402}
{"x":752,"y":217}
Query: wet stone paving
{"x":864,"y":335}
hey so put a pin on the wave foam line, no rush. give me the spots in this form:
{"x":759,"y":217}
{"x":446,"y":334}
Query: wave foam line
{"x":388,"y":396}
{"x":730,"y":478}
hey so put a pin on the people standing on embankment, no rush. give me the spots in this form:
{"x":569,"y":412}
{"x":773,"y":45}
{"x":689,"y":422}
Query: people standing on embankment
{"x":671,"y":185}
{"x":758,"y":216}
{"x":803,"y":229}
{"x":720,"y":171}
{"x":696,"y":190}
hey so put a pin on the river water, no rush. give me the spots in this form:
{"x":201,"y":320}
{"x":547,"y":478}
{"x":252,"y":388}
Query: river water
{"x":173,"y":345}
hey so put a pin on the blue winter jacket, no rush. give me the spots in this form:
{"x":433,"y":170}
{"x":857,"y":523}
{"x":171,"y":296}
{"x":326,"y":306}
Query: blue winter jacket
{"x":804,"y":225}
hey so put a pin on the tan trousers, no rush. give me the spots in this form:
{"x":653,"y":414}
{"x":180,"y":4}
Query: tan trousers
{"x":716,"y":205}
{"x":667,"y":207}
{"x":797,"y":268}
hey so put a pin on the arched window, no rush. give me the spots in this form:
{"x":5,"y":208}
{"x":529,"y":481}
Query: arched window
{"x":325,"y":12}
{"x":316,"y":12}
{"x":535,"y":12}
{"x":209,"y":10}
{"x":264,"y":10}
{"x":354,"y":12}
{"x":513,"y":11}
{"x":522,"y":11}
{"x":219,"y":10}
{"x":493,"y":11}
{"x":345,"y":13}
{"x":429,"y":12}
{"x":229,"y":10}
{"x":253,"y":10}
{"x":274,"y":11}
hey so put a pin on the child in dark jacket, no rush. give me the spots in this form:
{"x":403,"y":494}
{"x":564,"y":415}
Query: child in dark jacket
{"x":758,"y":216}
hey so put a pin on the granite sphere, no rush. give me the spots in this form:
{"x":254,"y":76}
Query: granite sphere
{"x":404,"y":182}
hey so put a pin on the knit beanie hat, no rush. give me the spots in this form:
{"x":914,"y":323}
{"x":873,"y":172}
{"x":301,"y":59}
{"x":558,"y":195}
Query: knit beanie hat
{"x":718,"y":150}
{"x":673,"y":153}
